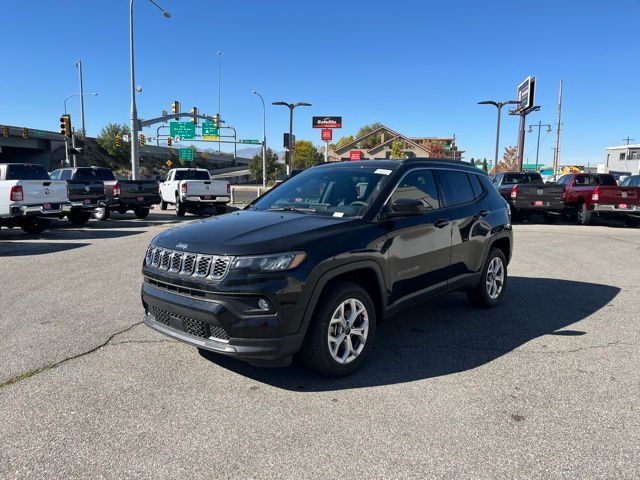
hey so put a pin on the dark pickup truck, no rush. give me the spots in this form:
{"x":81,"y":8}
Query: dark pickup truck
{"x":527,"y":193}
{"x":85,"y":190}
{"x":125,"y":195}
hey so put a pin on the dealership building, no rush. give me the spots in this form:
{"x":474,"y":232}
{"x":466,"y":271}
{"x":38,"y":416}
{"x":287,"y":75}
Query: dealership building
{"x":376,"y":145}
{"x":623,"y":159}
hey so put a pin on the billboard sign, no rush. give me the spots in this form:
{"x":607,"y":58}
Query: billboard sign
{"x":526,"y":95}
{"x":327,"y":122}
{"x":327,"y":134}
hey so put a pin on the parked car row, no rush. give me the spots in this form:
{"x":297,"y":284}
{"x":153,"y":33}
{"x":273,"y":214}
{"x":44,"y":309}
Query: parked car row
{"x":30,"y":197}
{"x":579,"y":195}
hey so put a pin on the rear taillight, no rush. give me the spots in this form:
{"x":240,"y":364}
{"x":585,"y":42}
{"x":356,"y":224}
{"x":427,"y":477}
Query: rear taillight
{"x":514,"y":192}
{"x":183,"y":187}
{"x":116,"y":189}
{"x":16,"y":194}
{"x":595,"y":196}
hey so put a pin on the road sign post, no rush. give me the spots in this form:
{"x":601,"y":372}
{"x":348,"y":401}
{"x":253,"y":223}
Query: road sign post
{"x":250,"y":142}
{"x":182,"y":129}
{"x":186,"y":154}
{"x":210,"y":131}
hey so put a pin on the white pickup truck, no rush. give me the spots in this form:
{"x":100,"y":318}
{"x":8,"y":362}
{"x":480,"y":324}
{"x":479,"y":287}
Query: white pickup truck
{"x":193,"y":189}
{"x":28,"y":197}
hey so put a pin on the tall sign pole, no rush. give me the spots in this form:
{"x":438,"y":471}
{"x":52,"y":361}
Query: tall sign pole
{"x":83,"y":131}
{"x":556,"y":154}
{"x":526,"y":100}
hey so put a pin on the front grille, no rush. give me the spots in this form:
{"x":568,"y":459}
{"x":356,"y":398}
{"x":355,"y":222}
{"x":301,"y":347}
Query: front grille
{"x":194,"y":327}
{"x":212,"y":267}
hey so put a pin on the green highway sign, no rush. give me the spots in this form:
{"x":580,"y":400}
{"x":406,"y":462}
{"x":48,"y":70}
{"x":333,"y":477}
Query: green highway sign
{"x":252,"y":142}
{"x":186,"y":154}
{"x":209,"y":129}
{"x":182,"y":129}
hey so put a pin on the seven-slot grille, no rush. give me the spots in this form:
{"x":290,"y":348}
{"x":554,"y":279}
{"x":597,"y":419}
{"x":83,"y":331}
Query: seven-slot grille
{"x":188,"y":264}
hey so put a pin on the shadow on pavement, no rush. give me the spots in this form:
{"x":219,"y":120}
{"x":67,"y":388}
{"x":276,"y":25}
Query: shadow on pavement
{"x":22,"y":249}
{"x":446,"y":335}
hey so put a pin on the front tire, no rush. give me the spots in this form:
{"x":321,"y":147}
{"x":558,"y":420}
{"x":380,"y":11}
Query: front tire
{"x":490,"y":291}
{"x":341,"y":332}
{"x":79,"y":217}
{"x":102,"y":214}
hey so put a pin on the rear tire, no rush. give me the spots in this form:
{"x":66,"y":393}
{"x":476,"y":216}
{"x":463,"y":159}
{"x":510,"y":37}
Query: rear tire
{"x":490,"y":291}
{"x":584,"y":215}
{"x":79,"y":217}
{"x":163,"y":205}
{"x":102,"y":214}
{"x":141,"y":212}
{"x":342,"y":331}
{"x":631,"y":221}
{"x":181,"y":209}
{"x":122,"y":211}
{"x":33,"y":226}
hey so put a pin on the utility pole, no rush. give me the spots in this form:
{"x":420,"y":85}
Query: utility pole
{"x":539,"y":125}
{"x":556,"y":153}
{"x":79,"y":66}
{"x":628,"y":140}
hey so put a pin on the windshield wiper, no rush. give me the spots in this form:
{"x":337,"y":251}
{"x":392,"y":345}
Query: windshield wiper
{"x":291,"y":209}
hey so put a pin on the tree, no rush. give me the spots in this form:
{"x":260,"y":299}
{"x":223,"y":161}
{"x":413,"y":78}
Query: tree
{"x":485,"y":167}
{"x":371,"y":141}
{"x":397,"y":147}
{"x":472,"y":161}
{"x":306,"y":155}
{"x":341,"y":142}
{"x":436,"y":149}
{"x":107,"y":140}
{"x":509,"y":162}
{"x":273,"y":167}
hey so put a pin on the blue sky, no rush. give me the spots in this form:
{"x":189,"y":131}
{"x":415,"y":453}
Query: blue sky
{"x":417,"y":66}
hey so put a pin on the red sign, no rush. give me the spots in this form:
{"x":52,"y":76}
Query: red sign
{"x":327,"y":134}
{"x":355,"y":155}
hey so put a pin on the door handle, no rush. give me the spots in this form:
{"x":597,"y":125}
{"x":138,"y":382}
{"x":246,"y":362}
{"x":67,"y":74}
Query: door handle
{"x":483,"y":213}
{"x":441,"y":223}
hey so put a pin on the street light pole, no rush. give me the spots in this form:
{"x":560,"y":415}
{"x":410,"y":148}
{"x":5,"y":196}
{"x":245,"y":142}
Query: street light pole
{"x":539,"y":125}
{"x":291,"y":106}
{"x":499,"y":106}
{"x":79,"y":67}
{"x":66,"y":142}
{"x":134,"y":111}
{"x":264,"y":140}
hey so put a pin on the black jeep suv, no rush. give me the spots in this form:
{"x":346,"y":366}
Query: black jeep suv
{"x":313,"y":265}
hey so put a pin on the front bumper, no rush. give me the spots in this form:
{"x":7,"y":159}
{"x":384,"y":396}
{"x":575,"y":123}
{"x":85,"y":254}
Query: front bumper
{"x":633,"y":210}
{"x":222,"y":325}
{"x":39,"y":210}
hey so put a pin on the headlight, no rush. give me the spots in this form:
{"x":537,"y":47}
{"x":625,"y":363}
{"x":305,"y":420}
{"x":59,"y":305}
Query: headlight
{"x":268,"y":263}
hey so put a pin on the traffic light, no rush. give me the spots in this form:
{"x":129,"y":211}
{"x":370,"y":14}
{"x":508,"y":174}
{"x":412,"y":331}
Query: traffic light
{"x":143,"y":139}
{"x":5,"y":131}
{"x":216,"y":120}
{"x":175,"y":107}
{"x":65,"y":125}
{"x":118,"y":141}
{"x":168,"y":141}
{"x":25,"y":133}
{"x":194,"y":112}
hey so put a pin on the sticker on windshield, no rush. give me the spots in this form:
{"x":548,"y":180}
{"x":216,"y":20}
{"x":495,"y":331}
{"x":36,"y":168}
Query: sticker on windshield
{"x":338,"y":214}
{"x":382,"y":171}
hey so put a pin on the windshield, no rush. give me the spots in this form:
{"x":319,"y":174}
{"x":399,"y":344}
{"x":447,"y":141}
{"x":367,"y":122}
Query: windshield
{"x":192,"y":175}
{"x":340,"y":192}
{"x":521,"y":178}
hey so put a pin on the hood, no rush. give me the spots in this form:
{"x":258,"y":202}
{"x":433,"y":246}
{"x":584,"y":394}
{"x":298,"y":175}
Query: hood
{"x":250,"y":232}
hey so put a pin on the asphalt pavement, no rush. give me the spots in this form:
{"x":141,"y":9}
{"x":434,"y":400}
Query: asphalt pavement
{"x":546,"y":385}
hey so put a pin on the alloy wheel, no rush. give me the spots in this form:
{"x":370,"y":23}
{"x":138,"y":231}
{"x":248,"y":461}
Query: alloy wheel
{"x":348,"y":331}
{"x":495,"y":278}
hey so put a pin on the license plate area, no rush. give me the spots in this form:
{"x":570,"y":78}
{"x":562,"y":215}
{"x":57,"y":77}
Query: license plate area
{"x":140,"y":199}
{"x":623,"y":206}
{"x":87,"y":201}
{"x":540,"y":203}
{"x":46,"y":206}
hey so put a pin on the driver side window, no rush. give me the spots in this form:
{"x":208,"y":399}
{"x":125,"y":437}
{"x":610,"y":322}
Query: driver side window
{"x":418,"y":185}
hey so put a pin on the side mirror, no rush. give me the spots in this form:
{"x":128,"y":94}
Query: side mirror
{"x":406,"y":207}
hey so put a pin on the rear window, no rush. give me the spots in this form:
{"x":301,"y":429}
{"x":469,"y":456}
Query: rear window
{"x":103,"y":174}
{"x":192,"y":175}
{"x":27,"y":172}
{"x":595,"y":180}
{"x":521,"y":178}
{"x":456,"y":187}
{"x":85,"y":174}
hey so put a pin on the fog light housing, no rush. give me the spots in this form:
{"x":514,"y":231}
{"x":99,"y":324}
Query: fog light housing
{"x":263,"y":304}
